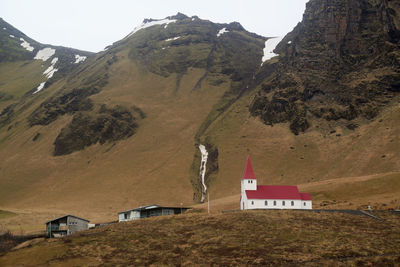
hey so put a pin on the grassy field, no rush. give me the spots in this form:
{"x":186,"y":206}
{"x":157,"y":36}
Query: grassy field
{"x":241,"y":238}
{"x":5,"y":214}
{"x":379,"y":191}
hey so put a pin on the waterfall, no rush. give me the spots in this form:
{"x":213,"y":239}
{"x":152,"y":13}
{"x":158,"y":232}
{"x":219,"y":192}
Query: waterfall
{"x":204,"y":156}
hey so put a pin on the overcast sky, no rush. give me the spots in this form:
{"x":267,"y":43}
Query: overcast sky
{"x":93,"y":24}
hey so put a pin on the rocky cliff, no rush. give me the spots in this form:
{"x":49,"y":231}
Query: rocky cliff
{"x":339,"y":66}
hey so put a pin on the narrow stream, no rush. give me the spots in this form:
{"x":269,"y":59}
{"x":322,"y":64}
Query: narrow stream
{"x":204,"y":156}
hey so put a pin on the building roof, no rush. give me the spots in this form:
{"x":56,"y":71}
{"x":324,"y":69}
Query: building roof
{"x":248,"y":170}
{"x":149,"y":207}
{"x":142,"y":208}
{"x":67,"y":216}
{"x":305,"y":196}
{"x":277,"y":192}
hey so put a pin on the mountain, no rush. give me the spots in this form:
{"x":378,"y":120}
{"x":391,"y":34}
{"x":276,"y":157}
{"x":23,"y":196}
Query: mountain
{"x":125,"y":119}
{"x":170,"y":113}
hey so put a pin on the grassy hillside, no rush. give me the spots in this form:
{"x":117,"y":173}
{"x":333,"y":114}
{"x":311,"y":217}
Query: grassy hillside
{"x":116,"y":167}
{"x":256,"y":238}
{"x":279,"y":157}
{"x":107,"y":175}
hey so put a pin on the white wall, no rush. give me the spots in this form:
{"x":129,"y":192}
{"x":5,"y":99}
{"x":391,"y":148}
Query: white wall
{"x":121,"y":217}
{"x":260,"y":204}
{"x":307,"y":204}
{"x":132,"y":215}
{"x":249,"y":184}
{"x":243,"y":202}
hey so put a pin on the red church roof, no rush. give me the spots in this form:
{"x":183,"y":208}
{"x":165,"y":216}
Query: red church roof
{"x":305,"y":196}
{"x":277,"y":192}
{"x":248,"y":170}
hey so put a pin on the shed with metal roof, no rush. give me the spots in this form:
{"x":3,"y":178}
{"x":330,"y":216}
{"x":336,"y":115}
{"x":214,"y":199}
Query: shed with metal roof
{"x":148,"y":211}
{"x":66,"y":225}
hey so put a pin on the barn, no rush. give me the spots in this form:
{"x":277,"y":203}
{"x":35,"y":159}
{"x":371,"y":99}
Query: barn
{"x":66,"y":225}
{"x":255,"y":196}
{"x":148,"y":211}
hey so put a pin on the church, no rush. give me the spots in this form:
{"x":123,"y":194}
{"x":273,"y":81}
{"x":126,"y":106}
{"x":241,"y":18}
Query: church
{"x":255,"y":196}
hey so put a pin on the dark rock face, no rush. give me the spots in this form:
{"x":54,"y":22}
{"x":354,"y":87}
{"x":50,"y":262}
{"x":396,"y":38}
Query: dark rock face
{"x":108,"y":125}
{"x":67,"y":103}
{"x":91,"y":123}
{"x":341,"y":62}
{"x":6,"y":114}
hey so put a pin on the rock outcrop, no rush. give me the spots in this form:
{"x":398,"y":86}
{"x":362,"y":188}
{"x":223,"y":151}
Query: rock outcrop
{"x":340,"y":64}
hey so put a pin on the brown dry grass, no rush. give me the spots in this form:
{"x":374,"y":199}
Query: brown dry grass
{"x":241,"y":238}
{"x":380,"y":191}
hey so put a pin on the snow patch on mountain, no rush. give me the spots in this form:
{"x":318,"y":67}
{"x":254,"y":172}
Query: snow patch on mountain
{"x":45,"y":53}
{"x":148,"y":24}
{"x":222,"y":31}
{"x":26,"y":45}
{"x":39,"y":88}
{"x":54,"y":61}
{"x":79,"y":59}
{"x":49,"y":72}
{"x":270,"y":46}
{"x":12,"y":36}
{"x":4,"y":29}
{"x":172,"y":39}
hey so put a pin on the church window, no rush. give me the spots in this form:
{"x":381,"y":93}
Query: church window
{"x":252,"y":202}
{"x":304,"y":203}
{"x":292,"y":203}
{"x":266,"y":203}
{"x":283,"y":203}
{"x":274,"y":202}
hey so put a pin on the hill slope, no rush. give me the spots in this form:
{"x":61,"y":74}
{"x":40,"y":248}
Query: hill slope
{"x":124,"y":121}
{"x":325,"y":108}
{"x":244,"y":238}
{"x":123,"y":128}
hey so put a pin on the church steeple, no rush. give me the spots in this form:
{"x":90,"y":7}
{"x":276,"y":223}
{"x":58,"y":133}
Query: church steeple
{"x":248,"y":170}
{"x":249,"y":181}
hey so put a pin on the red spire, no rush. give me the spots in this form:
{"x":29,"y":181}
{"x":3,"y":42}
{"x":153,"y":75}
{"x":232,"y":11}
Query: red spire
{"x":248,"y":170}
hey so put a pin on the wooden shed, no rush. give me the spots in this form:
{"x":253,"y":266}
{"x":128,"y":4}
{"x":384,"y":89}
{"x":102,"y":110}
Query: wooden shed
{"x":66,"y":225}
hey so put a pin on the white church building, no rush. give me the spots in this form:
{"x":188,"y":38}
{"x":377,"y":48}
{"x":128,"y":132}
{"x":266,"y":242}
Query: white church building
{"x":270,"y":196}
